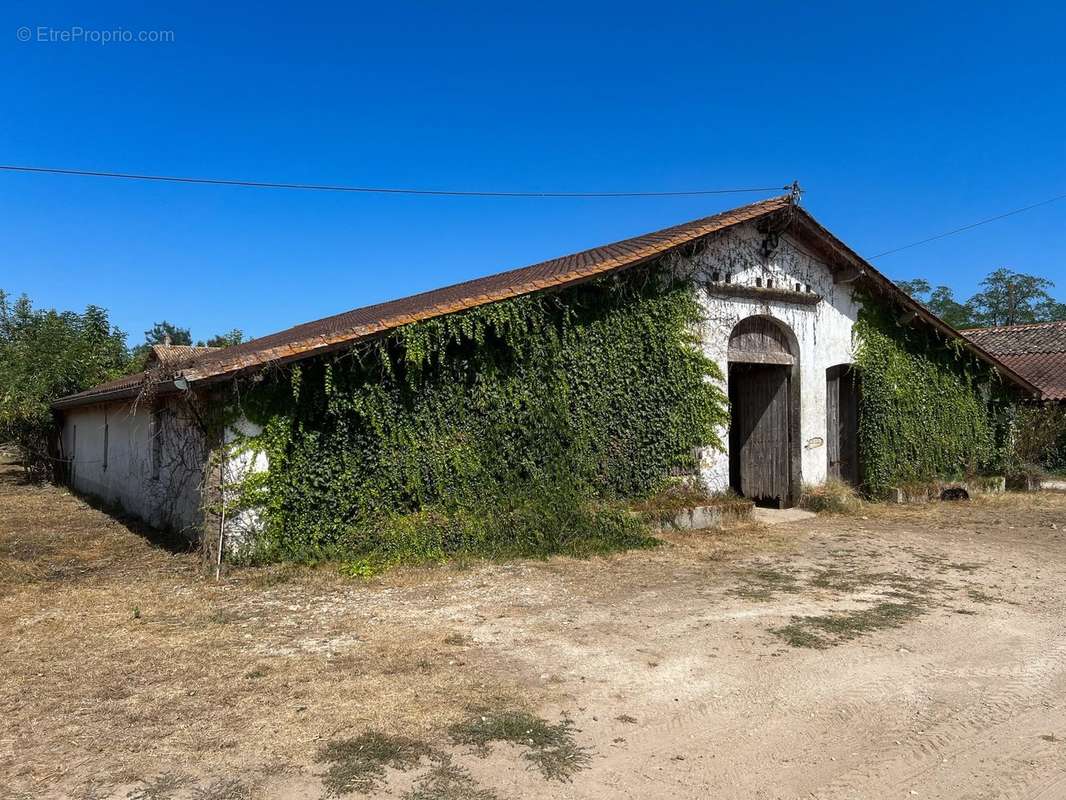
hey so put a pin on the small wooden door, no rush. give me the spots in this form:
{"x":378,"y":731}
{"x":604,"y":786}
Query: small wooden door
{"x":759,"y":432}
{"x":842,"y":424}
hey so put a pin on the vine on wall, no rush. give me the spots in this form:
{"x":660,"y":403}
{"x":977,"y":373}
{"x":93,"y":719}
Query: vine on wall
{"x":488,"y":428}
{"x":928,"y":410}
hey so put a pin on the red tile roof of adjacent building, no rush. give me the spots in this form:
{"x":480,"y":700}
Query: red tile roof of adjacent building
{"x":1035,"y":350}
{"x":343,"y":330}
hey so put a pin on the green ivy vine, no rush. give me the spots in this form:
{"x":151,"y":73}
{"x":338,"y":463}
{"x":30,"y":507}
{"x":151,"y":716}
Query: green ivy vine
{"x":595,"y":392}
{"x":928,"y":409}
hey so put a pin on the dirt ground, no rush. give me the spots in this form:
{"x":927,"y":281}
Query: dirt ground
{"x":904,"y":652}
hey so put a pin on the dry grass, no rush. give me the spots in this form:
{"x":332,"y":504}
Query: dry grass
{"x":834,"y":497}
{"x":182,"y":684}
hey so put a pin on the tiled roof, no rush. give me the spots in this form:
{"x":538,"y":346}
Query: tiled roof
{"x":126,"y":386}
{"x":170,"y":359}
{"x":342,"y":330}
{"x":1036,"y":351}
{"x":177,"y":355}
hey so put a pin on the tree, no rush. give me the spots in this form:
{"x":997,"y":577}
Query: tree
{"x":917,"y":288}
{"x":1011,"y":298}
{"x":44,"y":355}
{"x":162,"y":330}
{"x":1007,"y":298}
{"x":941,"y":301}
{"x":235,"y":336}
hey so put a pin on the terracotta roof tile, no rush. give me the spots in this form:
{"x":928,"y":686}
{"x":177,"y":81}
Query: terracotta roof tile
{"x":350,"y":326}
{"x":1037,"y":351}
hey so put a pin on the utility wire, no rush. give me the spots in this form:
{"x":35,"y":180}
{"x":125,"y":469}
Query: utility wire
{"x":320,"y":187}
{"x":968,"y":227}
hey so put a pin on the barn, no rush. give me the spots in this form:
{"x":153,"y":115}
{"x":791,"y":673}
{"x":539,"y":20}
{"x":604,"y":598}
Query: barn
{"x":780,"y":300}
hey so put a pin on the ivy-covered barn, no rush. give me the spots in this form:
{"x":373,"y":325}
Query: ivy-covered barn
{"x":750,"y":349}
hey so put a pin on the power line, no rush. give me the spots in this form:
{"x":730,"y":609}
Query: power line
{"x":968,"y":227}
{"x":321,"y":187}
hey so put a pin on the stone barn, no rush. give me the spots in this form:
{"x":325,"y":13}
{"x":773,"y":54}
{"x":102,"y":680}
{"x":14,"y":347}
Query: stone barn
{"x":779,"y":297}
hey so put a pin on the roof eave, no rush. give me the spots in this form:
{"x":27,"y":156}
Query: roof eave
{"x":125,"y":393}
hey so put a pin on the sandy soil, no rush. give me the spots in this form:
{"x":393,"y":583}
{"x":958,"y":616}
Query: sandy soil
{"x":938,"y":671}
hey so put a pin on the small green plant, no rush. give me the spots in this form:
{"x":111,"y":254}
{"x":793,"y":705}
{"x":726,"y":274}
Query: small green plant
{"x":358,"y":764}
{"x":136,"y":612}
{"x":552,"y":748}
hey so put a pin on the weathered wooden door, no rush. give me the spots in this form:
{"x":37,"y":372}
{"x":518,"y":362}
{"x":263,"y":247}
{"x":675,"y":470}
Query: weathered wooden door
{"x":842,"y":424}
{"x":759,"y":432}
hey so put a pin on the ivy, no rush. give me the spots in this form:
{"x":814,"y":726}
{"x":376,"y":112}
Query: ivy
{"x":494,"y":428}
{"x":928,"y":409}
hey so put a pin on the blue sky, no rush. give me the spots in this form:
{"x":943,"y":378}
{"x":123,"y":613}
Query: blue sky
{"x":899,"y":123}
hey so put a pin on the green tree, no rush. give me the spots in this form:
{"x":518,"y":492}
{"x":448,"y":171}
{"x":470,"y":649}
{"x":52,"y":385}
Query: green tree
{"x":941,"y":301}
{"x":918,"y":288}
{"x":161,"y":331}
{"x":228,"y":339}
{"x":44,"y":355}
{"x":1012,"y":298}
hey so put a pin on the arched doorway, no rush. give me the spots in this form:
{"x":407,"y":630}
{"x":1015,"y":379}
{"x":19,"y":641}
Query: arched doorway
{"x":763,"y":399}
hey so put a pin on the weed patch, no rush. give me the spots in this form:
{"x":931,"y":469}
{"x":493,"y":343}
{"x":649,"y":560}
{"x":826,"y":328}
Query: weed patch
{"x":551,"y":748}
{"x":824,"y":631}
{"x":358,"y":765}
{"x":447,"y":781}
{"x":764,"y":583}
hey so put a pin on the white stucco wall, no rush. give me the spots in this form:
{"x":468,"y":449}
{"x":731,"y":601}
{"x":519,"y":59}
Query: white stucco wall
{"x":167,"y":496}
{"x":823,"y":331}
{"x":241,"y":460}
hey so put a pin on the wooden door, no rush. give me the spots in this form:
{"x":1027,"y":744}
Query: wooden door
{"x":842,"y":424}
{"x":759,"y":433}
